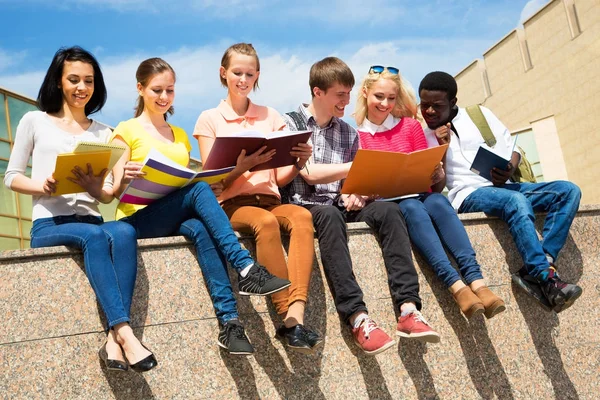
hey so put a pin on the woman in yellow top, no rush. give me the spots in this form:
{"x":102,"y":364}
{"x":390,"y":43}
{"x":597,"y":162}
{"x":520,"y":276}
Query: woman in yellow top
{"x":192,"y":211}
{"x":251,"y":199}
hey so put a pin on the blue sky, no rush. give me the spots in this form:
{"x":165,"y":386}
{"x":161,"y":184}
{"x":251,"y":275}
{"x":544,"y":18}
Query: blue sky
{"x":416,"y":37}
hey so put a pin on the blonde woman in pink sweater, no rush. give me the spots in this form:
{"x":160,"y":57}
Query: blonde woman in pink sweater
{"x":385,"y":115}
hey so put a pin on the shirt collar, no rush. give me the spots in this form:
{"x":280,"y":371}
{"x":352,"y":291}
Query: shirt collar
{"x":310,"y":119}
{"x":230,"y":115}
{"x":388,"y":123}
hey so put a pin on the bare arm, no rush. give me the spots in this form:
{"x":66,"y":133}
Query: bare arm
{"x":325,"y":173}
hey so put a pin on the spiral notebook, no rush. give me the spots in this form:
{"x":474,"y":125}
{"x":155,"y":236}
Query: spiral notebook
{"x":116,"y":151}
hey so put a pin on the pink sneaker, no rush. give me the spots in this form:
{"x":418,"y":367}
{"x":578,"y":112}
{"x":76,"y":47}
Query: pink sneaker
{"x":371,"y":338}
{"x":415,"y":326}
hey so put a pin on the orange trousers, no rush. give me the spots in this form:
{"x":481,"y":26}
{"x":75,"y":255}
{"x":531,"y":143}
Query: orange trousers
{"x":264,"y":216}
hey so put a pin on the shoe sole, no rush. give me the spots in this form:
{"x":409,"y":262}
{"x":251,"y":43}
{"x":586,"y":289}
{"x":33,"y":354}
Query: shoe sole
{"x":421,"y":337}
{"x":379,"y":350}
{"x":267,"y":293}
{"x":303,"y":350}
{"x":235,"y":353}
{"x":495,"y":309}
{"x":561,"y":307}
{"x":532,"y":290}
{"x":475,"y":309}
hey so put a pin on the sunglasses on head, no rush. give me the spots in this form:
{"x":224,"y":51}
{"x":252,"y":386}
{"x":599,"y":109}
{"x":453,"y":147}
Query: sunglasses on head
{"x":380,"y":68}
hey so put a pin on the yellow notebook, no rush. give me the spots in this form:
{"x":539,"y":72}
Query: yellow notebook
{"x":116,"y":151}
{"x":66,"y":162}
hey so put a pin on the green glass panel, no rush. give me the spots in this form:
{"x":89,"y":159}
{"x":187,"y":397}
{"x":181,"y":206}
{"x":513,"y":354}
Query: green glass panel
{"x":16,"y":109}
{"x":4,"y":151}
{"x":25,"y":205}
{"x":3,"y":126}
{"x":26,"y":244}
{"x":26,"y":227}
{"x":10,"y":226}
{"x":9,"y":244}
{"x":8,"y":201}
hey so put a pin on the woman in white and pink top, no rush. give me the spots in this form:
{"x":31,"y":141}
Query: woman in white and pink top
{"x":385,"y":114}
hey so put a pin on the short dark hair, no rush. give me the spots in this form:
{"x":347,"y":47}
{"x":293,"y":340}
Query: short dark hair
{"x":329,"y":71}
{"x":50,"y":97}
{"x":439,"y":81}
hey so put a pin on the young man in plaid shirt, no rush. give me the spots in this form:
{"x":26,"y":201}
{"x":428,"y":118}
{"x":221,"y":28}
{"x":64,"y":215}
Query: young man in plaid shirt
{"x":317,"y":188}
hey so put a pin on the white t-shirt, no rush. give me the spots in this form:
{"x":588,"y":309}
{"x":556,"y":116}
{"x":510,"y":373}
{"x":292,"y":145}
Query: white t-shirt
{"x":39,"y":138}
{"x":461,"y":182}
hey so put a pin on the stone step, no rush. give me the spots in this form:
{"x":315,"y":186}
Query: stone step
{"x":52,"y":330}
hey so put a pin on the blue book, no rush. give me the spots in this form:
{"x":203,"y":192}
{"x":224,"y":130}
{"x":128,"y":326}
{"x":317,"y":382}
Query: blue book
{"x":485,"y":160}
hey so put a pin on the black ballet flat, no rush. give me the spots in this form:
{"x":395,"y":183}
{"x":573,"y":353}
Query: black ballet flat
{"x":146,"y":364}
{"x":111,"y":365}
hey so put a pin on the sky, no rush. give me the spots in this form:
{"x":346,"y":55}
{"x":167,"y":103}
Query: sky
{"x":289,"y":36}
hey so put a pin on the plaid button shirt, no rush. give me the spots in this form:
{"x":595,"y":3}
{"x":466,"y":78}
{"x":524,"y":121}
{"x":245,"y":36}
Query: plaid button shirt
{"x":337,"y":143}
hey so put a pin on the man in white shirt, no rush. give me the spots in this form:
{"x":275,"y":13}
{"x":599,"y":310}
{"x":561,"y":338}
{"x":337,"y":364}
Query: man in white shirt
{"x":514,"y":203}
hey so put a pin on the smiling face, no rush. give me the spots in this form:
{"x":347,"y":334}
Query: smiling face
{"x":334,"y":100}
{"x":159,"y":94}
{"x":436,"y":107}
{"x":77,"y":83}
{"x":241,"y":74}
{"x":381,"y":100}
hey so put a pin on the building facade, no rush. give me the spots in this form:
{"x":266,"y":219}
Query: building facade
{"x":542,"y":81}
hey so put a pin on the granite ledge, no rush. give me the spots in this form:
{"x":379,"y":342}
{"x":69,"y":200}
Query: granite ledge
{"x":177,"y":241}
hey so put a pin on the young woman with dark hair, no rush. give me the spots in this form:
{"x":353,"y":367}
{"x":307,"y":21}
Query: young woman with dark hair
{"x":72,"y":90}
{"x":192,"y":211}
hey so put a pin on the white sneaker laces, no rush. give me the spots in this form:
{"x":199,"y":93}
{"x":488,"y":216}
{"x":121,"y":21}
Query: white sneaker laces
{"x":368,"y":326}
{"x":419,"y":317}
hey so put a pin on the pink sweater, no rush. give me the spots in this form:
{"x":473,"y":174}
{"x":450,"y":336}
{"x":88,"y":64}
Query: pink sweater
{"x":405,"y":137}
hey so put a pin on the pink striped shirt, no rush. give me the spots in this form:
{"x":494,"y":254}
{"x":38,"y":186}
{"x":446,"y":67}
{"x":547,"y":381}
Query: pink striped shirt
{"x":407,"y":136}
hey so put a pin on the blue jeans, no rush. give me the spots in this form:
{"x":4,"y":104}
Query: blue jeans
{"x":214,"y":269}
{"x":515,"y":204}
{"x":429,"y":218}
{"x":109,"y":254}
{"x":195,"y":212}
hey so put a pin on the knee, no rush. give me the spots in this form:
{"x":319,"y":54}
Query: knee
{"x":390,"y":210}
{"x":124,"y":231}
{"x":329,"y":214}
{"x":302,"y":218}
{"x":411,"y":207}
{"x":517,"y":204}
{"x":573,"y":191}
{"x":96,"y":234}
{"x":267,"y":223}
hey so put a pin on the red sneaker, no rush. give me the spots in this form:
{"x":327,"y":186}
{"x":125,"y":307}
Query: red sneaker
{"x":415,"y":326}
{"x":371,"y":338}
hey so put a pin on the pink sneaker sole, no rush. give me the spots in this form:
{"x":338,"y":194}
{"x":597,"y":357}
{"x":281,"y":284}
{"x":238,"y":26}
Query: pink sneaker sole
{"x":377,"y":351}
{"x":426,"y":337}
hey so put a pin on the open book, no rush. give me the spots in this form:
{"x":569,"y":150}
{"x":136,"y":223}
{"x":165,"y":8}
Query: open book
{"x":226,"y":149}
{"x":164,"y":176}
{"x":390,"y":174}
{"x":485,"y":160}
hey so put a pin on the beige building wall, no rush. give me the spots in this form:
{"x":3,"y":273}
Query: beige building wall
{"x":550,"y":69}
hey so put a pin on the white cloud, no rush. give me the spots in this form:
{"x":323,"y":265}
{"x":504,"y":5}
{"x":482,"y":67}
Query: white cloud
{"x":531,"y":8}
{"x":284,"y":73}
{"x":10,"y":59}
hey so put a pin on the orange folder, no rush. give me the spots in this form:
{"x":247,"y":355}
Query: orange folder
{"x":390,"y":174}
{"x":65,"y":163}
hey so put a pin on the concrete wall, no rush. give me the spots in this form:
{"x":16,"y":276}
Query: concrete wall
{"x":51,"y":331}
{"x":563,"y":82}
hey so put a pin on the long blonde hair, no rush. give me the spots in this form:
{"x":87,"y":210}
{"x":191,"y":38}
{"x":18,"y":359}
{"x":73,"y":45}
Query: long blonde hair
{"x":406,"y":100}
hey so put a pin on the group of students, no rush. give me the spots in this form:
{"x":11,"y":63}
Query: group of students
{"x":300,"y":199}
